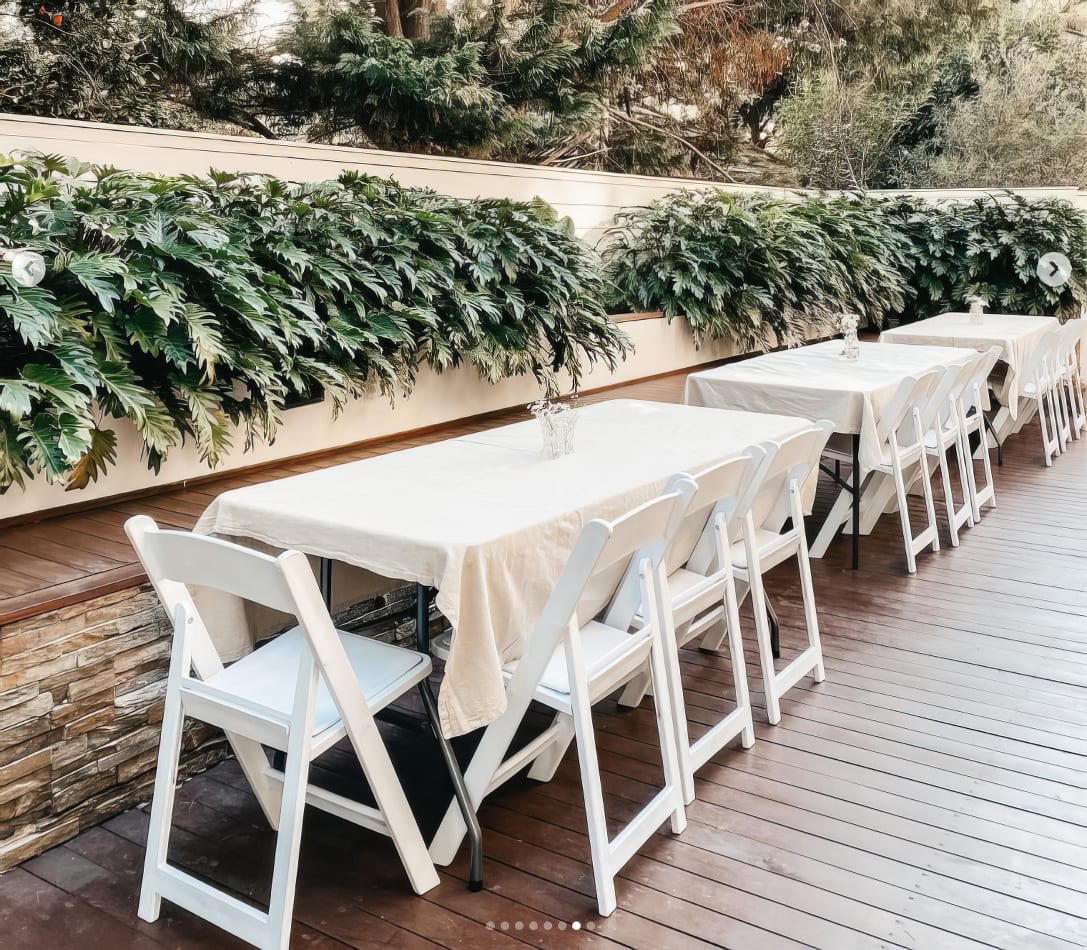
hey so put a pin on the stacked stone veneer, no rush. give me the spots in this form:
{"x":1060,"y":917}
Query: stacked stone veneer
{"x":81,"y":693}
{"x":81,"y":696}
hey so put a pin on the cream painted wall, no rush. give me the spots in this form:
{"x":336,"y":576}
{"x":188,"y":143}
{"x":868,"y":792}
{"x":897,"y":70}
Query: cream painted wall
{"x":590,"y":199}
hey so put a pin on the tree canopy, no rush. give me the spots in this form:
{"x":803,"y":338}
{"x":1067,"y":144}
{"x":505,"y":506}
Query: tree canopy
{"x":833,"y":93}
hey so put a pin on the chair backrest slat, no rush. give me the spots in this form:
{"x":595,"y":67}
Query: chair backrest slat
{"x":721,"y":491}
{"x":792,"y":460}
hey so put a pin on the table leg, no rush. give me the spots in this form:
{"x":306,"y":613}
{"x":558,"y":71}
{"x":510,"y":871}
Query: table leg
{"x":326,"y":582}
{"x":856,"y":500}
{"x":460,"y":790}
{"x":775,"y":630}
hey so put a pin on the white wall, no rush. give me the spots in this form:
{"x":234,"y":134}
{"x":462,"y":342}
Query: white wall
{"x":590,"y":199}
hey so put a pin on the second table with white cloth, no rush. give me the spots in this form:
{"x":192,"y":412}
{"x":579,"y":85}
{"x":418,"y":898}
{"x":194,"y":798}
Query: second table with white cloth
{"x":487,"y":520}
{"x":1015,"y":334}
{"x":817,"y":383}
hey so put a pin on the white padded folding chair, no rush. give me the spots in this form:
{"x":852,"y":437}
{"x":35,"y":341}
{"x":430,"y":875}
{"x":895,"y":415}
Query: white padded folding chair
{"x":1040,"y":394}
{"x":969,"y":407}
{"x":572,"y":661}
{"x":943,"y":434}
{"x":902,"y":444}
{"x":299,"y":694}
{"x":704,"y":602}
{"x":1069,"y":378}
{"x":767,"y":542}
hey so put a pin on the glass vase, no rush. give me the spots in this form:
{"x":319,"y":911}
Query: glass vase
{"x":557,"y":423}
{"x":851,"y":346}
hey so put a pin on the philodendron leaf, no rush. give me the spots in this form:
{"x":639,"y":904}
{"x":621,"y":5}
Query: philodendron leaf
{"x":95,"y":272}
{"x":14,"y":465}
{"x":40,"y":436}
{"x":16,"y":396}
{"x":58,"y":386}
{"x":74,"y":436}
{"x":101,"y":453}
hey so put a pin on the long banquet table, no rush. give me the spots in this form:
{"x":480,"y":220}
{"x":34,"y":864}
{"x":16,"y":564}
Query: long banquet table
{"x":486,"y":519}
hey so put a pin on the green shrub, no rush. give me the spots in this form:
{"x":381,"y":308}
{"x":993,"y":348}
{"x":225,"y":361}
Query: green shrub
{"x":990,"y":248}
{"x":192,"y":304}
{"x":763,"y":271}
{"x":758,"y":270}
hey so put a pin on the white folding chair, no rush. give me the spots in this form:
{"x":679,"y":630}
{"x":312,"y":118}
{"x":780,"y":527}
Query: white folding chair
{"x":970,"y":409}
{"x":702,"y":584}
{"x":299,"y":694}
{"x":902,"y":445}
{"x":1069,"y":378}
{"x":572,"y":661}
{"x":1040,"y":391}
{"x":943,"y":433}
{"x":767,"y":542}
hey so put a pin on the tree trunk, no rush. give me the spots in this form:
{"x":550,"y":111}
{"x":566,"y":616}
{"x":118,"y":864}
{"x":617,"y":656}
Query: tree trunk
{"x":417,"y":18}
{"x":393,"y":24}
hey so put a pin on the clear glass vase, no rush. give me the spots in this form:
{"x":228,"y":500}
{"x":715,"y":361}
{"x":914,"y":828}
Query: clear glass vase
{"x":977,"y":310}
{"x":557,"y":423}
{"x":851,"y":346}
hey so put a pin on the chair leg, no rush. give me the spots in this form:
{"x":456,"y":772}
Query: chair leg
{"x":904,"y":517}
{"x":593,"y":791}
{"x":930,"y":502}
{"x":671,"y":723}
{"x":762,"y":624}
{"x":635,"y":691}
{"x":547,"y":763}
{"x":1047,"y":450}
{"x":731,"y":623}
{"x":949,"y":500}
{"x":162,"y":804}
{"x":807,"y":587}
{"x":289,"y":838}
{"x":962,"y":459}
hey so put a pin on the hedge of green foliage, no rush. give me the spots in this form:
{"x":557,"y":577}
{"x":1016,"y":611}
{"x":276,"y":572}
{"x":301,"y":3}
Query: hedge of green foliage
{"x":762,"y":270}
{"x":191,"y":305}
{"x":990,"y":248}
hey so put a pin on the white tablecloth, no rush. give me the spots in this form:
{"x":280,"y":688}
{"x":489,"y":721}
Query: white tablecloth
{"x":1016,"y":335}
{"x":814,"y":382}
{"x":486,"y":519}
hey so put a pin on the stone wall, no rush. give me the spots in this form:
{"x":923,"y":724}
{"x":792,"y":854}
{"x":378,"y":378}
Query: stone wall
{"x":81,"y":691}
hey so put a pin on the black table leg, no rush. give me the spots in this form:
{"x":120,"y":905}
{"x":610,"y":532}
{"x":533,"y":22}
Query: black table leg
{"x":460,"y":790}
{"x":775,"y":630}
{"x":326,"y":582}
{"x":856,"y":500}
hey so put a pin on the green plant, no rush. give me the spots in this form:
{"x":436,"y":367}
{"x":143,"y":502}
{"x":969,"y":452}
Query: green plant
{"x":195,"y":305}
{"x":758,"y":270}
{"x":990,"y":247}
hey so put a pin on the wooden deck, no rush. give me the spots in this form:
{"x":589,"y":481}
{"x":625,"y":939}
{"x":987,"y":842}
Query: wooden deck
{"x":932,"y":793}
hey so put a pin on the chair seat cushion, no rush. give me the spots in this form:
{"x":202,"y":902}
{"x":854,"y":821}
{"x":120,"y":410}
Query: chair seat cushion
{"x":601,"y":646}
{"x":268,"y":676}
